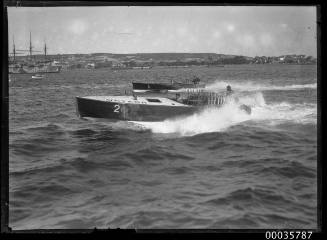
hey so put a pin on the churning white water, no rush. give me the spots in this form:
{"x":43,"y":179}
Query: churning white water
{"x":220,"y":119}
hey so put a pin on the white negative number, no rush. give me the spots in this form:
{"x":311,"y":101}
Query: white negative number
{"x":116,"y":108}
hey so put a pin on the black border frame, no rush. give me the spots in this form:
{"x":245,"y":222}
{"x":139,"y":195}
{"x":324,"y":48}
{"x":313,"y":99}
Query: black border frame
{"x":167,"y":233}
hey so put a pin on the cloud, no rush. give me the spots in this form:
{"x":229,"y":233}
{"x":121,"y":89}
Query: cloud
{"x":266,"y":39}
{"x":284,"y":25}
{"x":78,"y":26}
{"x":216,"y":34}
{"x":193,"y":39}
{"x":95,"y":36}
{"x":182,"y":31}
{"x":230,"y":28}
{"x":246,"y":40}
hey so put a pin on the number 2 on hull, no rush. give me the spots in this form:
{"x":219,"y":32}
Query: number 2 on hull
{"x":116,"y":108}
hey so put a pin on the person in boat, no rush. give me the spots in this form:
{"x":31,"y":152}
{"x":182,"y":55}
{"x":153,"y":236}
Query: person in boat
{"x":229,"y":90}
{"x":178,"y":97}
{"x":196,"y":80}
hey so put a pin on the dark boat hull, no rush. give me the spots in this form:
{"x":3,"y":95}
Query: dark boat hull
{"x":164,"y":86}
{"x":152,"y":86}
{"x":129,"y":112}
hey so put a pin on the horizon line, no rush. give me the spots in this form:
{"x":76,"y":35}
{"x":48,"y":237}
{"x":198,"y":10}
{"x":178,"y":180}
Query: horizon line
{"x":169,"y":53}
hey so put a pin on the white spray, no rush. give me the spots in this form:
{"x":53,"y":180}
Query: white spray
{"x":220,"y":119}
{"x":251,"y":86}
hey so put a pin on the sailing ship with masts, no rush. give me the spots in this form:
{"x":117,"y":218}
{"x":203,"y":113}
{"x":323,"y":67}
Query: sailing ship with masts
{"x":31,"y":64}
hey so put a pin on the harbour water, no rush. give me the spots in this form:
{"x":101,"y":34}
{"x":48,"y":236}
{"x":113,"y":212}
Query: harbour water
{"x":219,"y":169}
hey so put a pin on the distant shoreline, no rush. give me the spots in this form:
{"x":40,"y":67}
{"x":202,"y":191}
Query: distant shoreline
{"x":150,"y":60}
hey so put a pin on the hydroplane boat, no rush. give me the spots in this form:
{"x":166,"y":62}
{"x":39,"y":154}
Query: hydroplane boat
{"x":38,"y":76}
{"x":150,"y":107}
{"x":159,"y":87}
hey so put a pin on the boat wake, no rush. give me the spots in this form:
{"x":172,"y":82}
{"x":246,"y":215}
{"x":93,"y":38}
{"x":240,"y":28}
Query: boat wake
{"x":221,"y":119}
{"x":250,"y":86}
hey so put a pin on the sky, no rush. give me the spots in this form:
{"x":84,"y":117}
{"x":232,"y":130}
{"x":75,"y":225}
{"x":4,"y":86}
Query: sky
{"x":238,"y":30}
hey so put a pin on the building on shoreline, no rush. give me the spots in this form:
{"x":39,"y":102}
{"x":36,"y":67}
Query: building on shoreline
{"x":145,"y":61}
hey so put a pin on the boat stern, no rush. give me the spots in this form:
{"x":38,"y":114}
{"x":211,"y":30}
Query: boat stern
{"x":96,"y":107}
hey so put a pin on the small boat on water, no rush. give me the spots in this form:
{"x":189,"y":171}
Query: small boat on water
{"x":38,"y":76}
{"x":157,"y":87}
{"x":149,"y":107}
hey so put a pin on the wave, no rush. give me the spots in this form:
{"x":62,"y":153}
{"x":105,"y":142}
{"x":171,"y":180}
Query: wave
{"x":220,"y":119}
{"x":209,"y":120}
{"x":277,"y":113}
{"x":251,"y":86}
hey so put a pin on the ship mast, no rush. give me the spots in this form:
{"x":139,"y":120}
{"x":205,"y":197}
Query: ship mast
{"x":14,"y":48}
{"x":31,"y":45}
{"x":45,"y":50}
{"x":30,"y":50}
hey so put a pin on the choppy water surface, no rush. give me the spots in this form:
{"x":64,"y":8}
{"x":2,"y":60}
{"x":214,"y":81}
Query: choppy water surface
{"x":217,"y":169}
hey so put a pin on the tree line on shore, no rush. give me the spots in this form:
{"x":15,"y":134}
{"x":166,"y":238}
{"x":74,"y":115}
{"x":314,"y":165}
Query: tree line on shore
{"x":103,"y":60}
